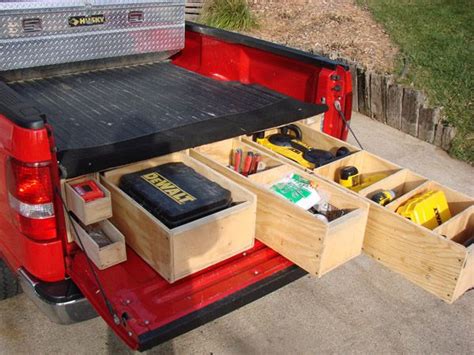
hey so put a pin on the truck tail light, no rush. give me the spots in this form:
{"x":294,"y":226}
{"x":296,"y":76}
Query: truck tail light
{"x":31,"y":198}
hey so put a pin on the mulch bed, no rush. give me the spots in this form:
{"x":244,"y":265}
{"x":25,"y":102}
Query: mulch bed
{"x":335,"y":28}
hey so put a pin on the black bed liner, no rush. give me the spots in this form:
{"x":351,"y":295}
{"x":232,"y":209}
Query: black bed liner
{"x":107,"y":118}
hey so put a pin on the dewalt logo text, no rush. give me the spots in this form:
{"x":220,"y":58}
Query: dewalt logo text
{"x":173,"y":191}
{"x":92,"y":20}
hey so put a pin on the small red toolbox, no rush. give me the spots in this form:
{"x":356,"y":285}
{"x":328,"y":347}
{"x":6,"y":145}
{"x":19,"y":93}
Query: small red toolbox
{"x":88,"y":190}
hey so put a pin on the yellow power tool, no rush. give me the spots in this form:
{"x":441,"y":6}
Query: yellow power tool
{"x":288,"y":142}
{"x":384,"y":197}
{"x":350,"y":177}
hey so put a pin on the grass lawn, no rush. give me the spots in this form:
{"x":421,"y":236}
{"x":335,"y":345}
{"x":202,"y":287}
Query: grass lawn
{"x":436,"y":37}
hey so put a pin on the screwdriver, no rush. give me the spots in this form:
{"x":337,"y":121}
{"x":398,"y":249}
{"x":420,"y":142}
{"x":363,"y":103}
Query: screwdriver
{"x":256,"y":159}
{"x":237,"y":159}
{"x":247,"y":164}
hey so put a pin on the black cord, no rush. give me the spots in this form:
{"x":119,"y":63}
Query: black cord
{"x":89,"y":262}
{"x":337,"y":105}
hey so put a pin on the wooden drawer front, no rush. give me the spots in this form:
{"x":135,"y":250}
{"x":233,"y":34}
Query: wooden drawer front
{"x":435,"y":259}
{"x":438,"y":264}
{"x":178,"y":252}
{"x":106,"y":256}
{"x":460,"y":229}
{"x":314,"y":245}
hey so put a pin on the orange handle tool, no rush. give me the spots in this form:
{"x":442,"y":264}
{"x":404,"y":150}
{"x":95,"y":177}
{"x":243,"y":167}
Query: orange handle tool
{"x":247,"y":164}
{"x":237,"y":159}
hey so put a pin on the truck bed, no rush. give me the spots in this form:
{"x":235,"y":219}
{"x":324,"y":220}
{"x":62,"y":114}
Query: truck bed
{"x":111,"y":117}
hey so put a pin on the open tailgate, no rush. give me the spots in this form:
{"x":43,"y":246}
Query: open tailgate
{"x":153,"y":311}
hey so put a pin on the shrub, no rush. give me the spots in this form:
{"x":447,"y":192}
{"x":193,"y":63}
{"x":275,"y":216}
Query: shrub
{"x":229,"y":14}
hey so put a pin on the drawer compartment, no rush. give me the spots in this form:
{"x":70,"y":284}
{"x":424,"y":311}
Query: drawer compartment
{"x":106,"y":253}
{"x":457,"y":201}
{"x":178,"y":252}
{"x":401,"y":183}
{"x":315,"y":245}
{"x":311,"y":137}
{"x":88,"y":212}
{"x":436,"y":260}
{"x":370,"y":168}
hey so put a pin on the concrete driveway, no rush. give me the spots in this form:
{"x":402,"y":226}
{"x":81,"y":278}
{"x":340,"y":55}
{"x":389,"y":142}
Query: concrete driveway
{"x":360,"y":307}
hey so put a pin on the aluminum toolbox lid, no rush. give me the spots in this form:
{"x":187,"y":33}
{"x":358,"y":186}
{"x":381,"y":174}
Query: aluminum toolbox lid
{"x":21,"y":5}
{"x":50,"y":4}
{"x":46,"y":32}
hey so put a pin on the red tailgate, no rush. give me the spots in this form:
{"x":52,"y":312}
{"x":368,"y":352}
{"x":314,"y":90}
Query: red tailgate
{"x":152,"y":310}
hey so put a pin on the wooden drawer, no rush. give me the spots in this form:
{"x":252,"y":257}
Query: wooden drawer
{"x":88,"y":212}
{"x":316,"y":246}
{"x":442,"y":266}
{"x":102,"y":256}
{"x":365,"y":162}
{"x":435,"y":259}
{"x":178,"y":252}
{"x":311,"y":136}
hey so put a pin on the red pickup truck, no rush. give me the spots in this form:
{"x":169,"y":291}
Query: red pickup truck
{"x":68,"y":119}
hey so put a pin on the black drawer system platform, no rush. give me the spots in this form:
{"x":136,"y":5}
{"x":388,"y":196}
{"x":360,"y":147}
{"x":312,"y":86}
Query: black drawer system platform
{"x":116,"y":116}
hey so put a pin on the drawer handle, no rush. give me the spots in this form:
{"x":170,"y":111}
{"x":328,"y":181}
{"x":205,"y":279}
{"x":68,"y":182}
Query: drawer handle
{"x":32,"y":25}
{"x":136,"y":16}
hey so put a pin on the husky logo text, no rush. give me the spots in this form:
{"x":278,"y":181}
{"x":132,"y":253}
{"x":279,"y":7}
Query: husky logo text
{"x":92,"y":20}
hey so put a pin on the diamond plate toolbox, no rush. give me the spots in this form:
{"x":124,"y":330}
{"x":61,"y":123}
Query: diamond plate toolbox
{"x":45,"y":32}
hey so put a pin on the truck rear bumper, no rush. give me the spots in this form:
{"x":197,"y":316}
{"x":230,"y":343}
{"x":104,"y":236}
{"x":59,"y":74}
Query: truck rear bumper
{"x":59,"y":301}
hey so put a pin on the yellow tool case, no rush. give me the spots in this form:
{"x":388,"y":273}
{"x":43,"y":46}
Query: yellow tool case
{"x":429,"y":210}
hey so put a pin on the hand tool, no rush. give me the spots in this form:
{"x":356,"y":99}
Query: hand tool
{"x":288,"y":142}
{"x":256,"y":159}
{"x":350,"y":177}
{"x":247,"y":164}
{"x":342,"y":152}
{"x":237,"y":159}
{"x":383,"y":197}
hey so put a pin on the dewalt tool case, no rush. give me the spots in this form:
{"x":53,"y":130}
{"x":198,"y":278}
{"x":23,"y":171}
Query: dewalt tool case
{"x":175,"y":193}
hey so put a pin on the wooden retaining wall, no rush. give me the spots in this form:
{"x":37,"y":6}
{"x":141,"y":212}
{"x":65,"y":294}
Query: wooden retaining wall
{"x":404,"y":108}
